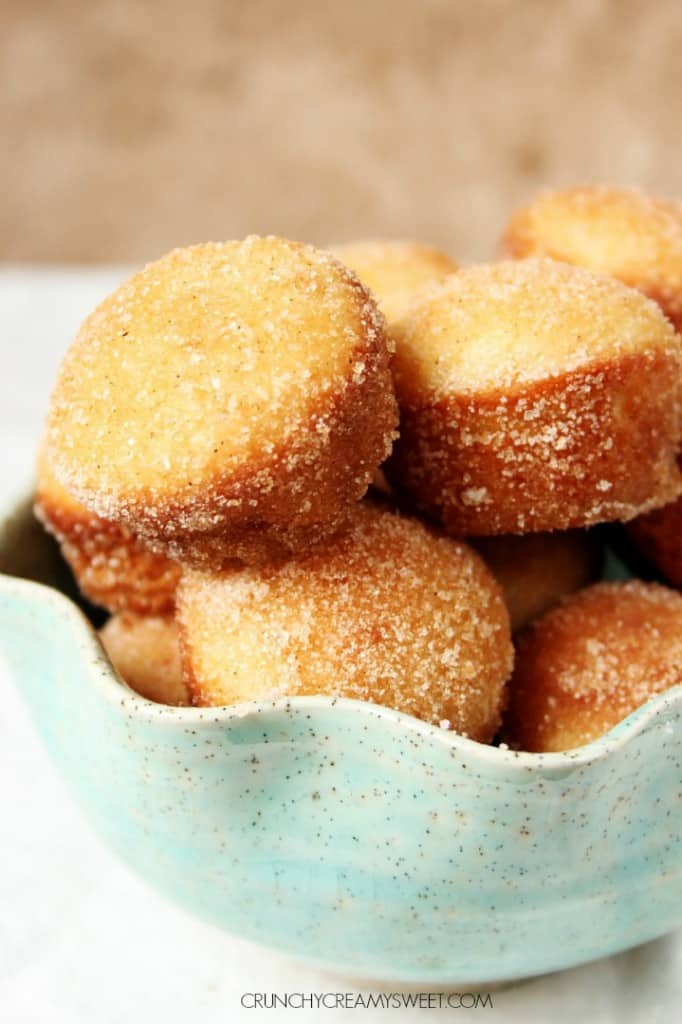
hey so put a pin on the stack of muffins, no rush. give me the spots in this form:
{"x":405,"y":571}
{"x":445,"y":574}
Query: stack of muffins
{"x":356,"y":473}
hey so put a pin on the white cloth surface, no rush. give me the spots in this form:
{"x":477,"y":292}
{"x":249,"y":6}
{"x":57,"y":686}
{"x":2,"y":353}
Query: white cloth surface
{"x":82,"y":940}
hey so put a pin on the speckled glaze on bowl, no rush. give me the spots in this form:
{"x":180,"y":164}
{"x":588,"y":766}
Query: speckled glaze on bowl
{"x":351,"y":835}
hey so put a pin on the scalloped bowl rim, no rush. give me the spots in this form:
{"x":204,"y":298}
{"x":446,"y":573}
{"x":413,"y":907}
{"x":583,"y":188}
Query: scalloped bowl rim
{"x":115,"y":690}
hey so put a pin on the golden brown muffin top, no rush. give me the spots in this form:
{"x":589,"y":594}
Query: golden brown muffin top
{"x":587,"y":664}
{"x":493,"y":326}
{"x":624,"y":232}
{"x":395,"y":270}
{"x":210,"y":357}
{"x":388,"y":613}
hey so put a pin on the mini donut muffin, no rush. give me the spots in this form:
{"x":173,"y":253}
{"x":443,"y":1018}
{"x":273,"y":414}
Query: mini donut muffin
{"x":587,"y":664}
{"x":658,"y":537}
{"x":537,"y":570}
{"x":145,"y":651}
{"x":387,"y":613}
{"x":536,"y":396}
{"x":230,"y":401}
{"x":394,"y":271}
{"x":112,"y":567}
{"x":622,"y":232}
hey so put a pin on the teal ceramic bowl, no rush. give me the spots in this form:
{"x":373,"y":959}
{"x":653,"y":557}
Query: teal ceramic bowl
{"x":347,"y":834}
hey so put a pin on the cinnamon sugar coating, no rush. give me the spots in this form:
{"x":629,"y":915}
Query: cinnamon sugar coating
{"x":586,"y":665}
{"x":537,"y":570}
{"x":395,"y":270}
{"x":387,"y":613}
{"x":230,"y":401}
{"x":113,"y":568}
{"x":536,"y":396}
{"x":145,"y":651}
{"x":623,"y":232}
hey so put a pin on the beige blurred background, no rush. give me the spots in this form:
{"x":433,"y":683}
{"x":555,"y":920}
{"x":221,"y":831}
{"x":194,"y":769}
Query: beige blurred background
{"x":130,"y":126}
